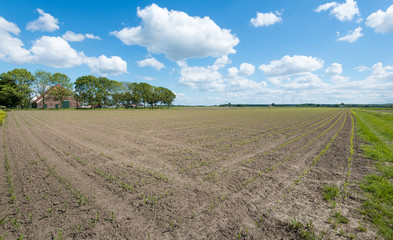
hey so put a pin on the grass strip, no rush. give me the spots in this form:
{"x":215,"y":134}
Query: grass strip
{"x":372,"y":127}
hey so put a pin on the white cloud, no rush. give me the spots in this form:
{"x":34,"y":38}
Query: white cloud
{"x":105,"y":66}
{"x":334,"y":69}
{"x":11,"y":48}
{"x":351,"y":36}
{"x":326,"y":6}
{"x":151,"y":62}
{"x":305,"y":81}
{"x":362,"y":68}
{"x":343,"y":12}
{"x":381,"y":21}
{"x":45,"y":23}
{"x":339,"y":78}
{"x":291,"y":65}
{"x":380,"y":72}
{"x":78,"y":37}
{"x":210,"y":79}
{"x":91,"y":36}
{"x":266,"y":19}
{"x":178,"y":35}
{"x":55,"y":52}
{"x":73,"y":37}
{"x":203,"y":78}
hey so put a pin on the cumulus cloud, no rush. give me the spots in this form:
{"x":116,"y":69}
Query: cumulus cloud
{"x":73,"y":37}
{"x":178,"y":35}
{"x":151,"y":62}
{"x":343,"y":12}
{"x":45,"y":23}
{"x":380,"y":72}
{"x":305,"y":81}
{"x":266,"y":19}
{"x":203,"y":78}
{"x":334,"y":69}
{"x":52,"y":51}
{"x":210,"y":79}
{"x":288,"y":65}
{"x":381,"y":21}
{"x":11,"y":48}
{"x":362,"y":68}
{"x":351,"y":36}
{"x":91,"y":36}
{"x":105,"y":66}
{"x":78,"y":37}
{"x":55,"y":52}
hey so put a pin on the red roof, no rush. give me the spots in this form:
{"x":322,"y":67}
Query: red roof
{"x":46,"y":93}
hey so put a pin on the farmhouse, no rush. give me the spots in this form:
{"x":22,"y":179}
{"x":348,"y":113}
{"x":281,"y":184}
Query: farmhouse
{"x":50,"y":102}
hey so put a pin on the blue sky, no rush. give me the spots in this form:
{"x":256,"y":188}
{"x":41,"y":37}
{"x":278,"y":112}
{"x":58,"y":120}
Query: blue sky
{"x":212,"y":52}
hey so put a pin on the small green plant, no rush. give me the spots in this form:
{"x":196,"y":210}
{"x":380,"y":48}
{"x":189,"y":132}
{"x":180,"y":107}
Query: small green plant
{"x":28,"y":198}
{"x":330,"y":192}
{"x":60,"y":235}
{"x":49,"y":210}
{"x":295,"y":224}
{"x":96,"y":218}
{"x":65,"y":206}
{"x":341,"y":233}
{"x":31,"y":217}
{"x":112,"y":216}
{"x":3,"y":220}
{"x":362,"y":228}
{"x":339,"y":217}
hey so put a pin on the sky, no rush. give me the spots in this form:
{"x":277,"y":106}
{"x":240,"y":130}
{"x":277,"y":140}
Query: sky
{"x":211,"y":52}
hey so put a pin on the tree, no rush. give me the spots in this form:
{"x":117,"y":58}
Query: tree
{"x":133,"y":94}
{"x":86,"y":89}
{"x":16,"y":87}
{"x":146,"y":91}
{"x":9,"y":95}
{"x":167,"y":96}
{"x":119,"y":89}
{"x":43,"y":83}
{"x":62,"y":87}
{"x":154,"y":97}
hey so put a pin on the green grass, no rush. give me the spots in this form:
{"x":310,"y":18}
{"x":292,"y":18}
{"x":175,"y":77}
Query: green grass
{"x":376,"y":128}
{"x":330,"y":192}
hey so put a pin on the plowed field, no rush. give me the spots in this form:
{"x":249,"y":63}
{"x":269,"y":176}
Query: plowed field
{"x":180,"y":174}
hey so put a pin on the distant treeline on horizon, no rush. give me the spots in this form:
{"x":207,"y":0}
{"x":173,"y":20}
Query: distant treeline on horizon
{"x":386,"y":105}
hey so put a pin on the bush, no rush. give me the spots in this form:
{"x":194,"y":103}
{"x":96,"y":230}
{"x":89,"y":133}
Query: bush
{"x":2,"y":116}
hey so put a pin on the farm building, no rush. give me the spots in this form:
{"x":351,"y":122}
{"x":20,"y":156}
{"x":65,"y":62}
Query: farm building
{"x":50,"y":102}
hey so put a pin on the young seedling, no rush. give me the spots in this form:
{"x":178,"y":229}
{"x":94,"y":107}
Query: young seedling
{"x":60,"y":235}
{"x":112,"y":216}
{"x":65,"y":206}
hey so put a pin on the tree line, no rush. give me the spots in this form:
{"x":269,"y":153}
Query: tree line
{"x":18,"y":86}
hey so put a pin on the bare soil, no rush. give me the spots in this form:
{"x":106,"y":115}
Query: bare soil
{"x":180,"y":174}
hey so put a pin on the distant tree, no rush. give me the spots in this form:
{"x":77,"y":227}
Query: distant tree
{"x":118,"y":92}
{"x":10,"y":97}
{"x":63,"y":87}
{"x":43,"y":83}
{"x":146,"y":91}
{"x":133,"y":94}
{"x":86,"y":89}
{"x":15,"y":87}
{"x":167,"y":96}
{"x":154,"y":97}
